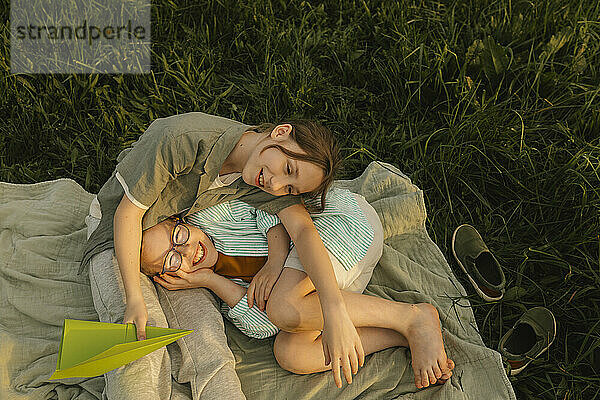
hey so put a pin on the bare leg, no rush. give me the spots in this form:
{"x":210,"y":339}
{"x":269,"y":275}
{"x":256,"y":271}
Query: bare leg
{"x":294,"y":307}
{"x":302,"y":353}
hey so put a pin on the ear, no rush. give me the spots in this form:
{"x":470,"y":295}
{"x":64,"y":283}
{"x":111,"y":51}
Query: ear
{"x":281,"y":132}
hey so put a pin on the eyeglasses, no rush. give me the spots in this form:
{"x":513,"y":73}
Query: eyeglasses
{"x":179,"y":236}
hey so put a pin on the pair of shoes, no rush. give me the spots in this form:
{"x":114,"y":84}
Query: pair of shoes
{"x":529,"y":337}
{"x":534,"y":332}
{"x":478,"y":263}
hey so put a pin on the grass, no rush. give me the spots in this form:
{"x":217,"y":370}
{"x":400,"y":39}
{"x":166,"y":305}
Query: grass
{"x":492,"y":108}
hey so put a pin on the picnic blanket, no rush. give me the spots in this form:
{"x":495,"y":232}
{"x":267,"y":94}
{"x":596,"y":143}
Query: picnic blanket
{"x":42,"y":235}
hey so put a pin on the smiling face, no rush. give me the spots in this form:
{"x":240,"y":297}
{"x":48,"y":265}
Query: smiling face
{"x":198,"y":252}
{"x":277,"y":173}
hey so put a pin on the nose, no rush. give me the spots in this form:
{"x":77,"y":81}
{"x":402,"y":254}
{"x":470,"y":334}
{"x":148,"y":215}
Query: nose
{"x":276,"y":183}
{"x":187,"y":251}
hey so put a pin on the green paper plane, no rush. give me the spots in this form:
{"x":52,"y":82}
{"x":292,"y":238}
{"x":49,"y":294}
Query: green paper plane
{"x":89,"y":348}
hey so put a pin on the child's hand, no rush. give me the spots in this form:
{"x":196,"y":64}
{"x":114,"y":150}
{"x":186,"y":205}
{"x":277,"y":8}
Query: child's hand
{"x":262,"y":284}
{"x":184,"y":280}
{"x":136,"y":313}
{"x":342,"y":346}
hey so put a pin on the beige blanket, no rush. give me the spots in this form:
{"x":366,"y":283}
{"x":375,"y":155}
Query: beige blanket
{"x":41,"y":239}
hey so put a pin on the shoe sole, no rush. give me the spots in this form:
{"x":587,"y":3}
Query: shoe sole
{"x":514,"y":372}
{"x":473,"y":283}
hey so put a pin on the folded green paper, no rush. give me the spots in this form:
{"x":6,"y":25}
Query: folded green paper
{"x":89,"y":348}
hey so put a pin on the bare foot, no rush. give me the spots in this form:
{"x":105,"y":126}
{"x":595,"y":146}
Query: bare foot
{"x":429,"y":360}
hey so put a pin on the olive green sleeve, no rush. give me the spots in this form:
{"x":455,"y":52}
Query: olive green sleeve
{"x":156,"y":158}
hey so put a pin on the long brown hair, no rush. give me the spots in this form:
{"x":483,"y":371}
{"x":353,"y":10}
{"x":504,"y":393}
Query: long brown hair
{"x":320,"y":146}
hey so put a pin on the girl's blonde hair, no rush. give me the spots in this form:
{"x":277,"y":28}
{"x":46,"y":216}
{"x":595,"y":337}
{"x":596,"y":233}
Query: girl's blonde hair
{"x":320,"y":146}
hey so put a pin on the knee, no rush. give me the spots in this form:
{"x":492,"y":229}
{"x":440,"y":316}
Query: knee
{"x":283,"y":313}
{"x":285,"y":354}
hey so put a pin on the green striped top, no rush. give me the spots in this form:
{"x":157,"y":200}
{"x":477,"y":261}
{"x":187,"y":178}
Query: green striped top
{"x":239,"y":229}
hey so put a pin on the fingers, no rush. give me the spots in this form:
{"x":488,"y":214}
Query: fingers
{"x":335,"y":368}
{"x":326,"y":353}
{"x":250,"y":293}
{"x":266,"y":292}
{"x":161,"y":282}
{"x":354,"y":362}
{"x":140,"y":329}
{"x":361,"y":353}
{"x":259,"y":290}
{"x":175,"y":282}
{"x":269,"y":289}
{"x":260,"y":296}
{"x":168,"y":278}
{"x":346,"y":369}
{"x":256,"y":293}
{"x":165,"y":281}
{"x":349,"y":365}
{"x":141,"y":332}
{"x":184,"y":276}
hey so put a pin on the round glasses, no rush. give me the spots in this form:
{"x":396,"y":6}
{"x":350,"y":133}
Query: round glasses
{"x":179,"y":236}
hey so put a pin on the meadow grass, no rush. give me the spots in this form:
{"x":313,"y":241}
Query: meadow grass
{"x":491,"y":107}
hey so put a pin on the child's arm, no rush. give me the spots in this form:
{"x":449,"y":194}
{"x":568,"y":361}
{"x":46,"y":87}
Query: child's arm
{"x":228,"y":291}
{"x":127,"y":238}
{"x":251,"y":321}
{"x":278,"y":241}
{"x":143,"y":171}
{"x":279,"y":246}
{"x":340,"y":339}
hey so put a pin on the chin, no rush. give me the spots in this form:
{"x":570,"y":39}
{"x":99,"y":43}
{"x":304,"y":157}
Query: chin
{"x":211,"y":257}
{"x":245,"y":178}
{"x":214,"y":260}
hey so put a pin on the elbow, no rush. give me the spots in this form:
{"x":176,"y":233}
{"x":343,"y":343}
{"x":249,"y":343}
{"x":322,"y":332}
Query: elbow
{"x":297,"y":221}
{"x":301,"y":231}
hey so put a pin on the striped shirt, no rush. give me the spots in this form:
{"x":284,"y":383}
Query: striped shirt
{"x":251,"y":321}
{"x":239,"y":229}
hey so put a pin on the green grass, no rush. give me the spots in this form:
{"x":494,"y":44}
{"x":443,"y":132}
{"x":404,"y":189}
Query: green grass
{"x":492,"y":108}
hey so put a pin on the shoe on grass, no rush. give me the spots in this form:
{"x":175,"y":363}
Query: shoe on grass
{"x":480,"y":265}
{"x":530,"y":336}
